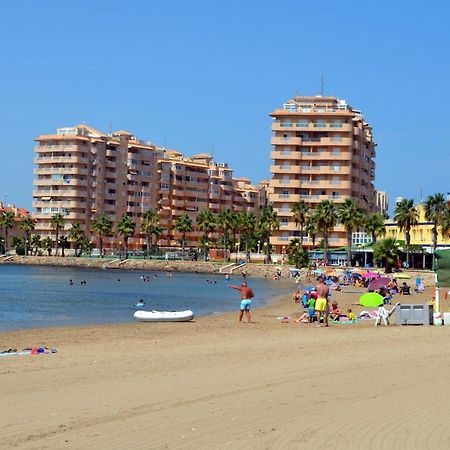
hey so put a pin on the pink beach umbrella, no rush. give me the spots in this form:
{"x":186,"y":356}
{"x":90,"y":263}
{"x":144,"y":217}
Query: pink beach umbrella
{"x":370,"y":275}
{"x":378,"y":283}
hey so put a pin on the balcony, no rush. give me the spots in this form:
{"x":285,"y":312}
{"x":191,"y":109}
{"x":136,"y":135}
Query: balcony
{"x":292,"y":140}
{"x":285,"y":169}
{"x":60,"y":170}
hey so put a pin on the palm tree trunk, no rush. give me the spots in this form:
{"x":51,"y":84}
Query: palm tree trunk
{"x":349,"y":248}
{"x":269,"y":258}
{"x":149,"y":241}
{"x":6,"y":240}
{"x":408,"y":239}
{"x":325,"y":248}
{"x":182,"y":244}
{"x":56,"y":243}
{"x":301,"y":235}
{"x":101,"y":246}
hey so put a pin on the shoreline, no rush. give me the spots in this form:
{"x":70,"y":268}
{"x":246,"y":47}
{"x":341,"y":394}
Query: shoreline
{"x":217,"y":383}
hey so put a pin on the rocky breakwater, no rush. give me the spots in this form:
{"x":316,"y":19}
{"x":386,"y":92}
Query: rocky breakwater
{"x":251,"y":270}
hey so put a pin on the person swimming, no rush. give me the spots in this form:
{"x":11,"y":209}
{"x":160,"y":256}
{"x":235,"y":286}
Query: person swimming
{"x":140,"y":303}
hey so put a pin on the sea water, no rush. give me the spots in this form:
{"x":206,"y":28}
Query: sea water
{"x":36,"y":296}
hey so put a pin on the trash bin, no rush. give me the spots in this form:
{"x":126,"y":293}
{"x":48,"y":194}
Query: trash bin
{"x":414,"y":314}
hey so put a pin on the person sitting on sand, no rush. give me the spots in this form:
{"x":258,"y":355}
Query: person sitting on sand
{"x":351,"y":315}
{"x":335,"y":312}
{"x":405,"y":289}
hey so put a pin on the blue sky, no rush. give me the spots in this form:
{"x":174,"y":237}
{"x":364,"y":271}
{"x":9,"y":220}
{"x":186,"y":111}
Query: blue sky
{"x":200,"y":76}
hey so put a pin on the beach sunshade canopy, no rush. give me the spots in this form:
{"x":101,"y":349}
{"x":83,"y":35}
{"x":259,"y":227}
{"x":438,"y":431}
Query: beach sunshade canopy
{"x":401,"y":276}
{"x":442,"y":267}
{"x":331,"y":274}
{"x":378,"y":283}
{"x":371,"y":300}
{"x":318,"y":271}
{"x":370,"y":275}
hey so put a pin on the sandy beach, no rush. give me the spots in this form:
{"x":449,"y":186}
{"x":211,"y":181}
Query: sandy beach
{"x":218,"y":384}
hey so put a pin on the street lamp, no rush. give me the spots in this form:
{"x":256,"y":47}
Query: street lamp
{"x":236,"y":247}
{"x":120,"y":249}
{"x":206,"y":251}
{"x":259,"y":247}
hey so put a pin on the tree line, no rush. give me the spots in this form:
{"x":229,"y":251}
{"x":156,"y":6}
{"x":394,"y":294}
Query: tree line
{"x":230,"y":230}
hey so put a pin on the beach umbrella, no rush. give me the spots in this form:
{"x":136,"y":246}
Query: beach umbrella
{"x":370,"y":275}
{"x":401,"y":276}
{"x":371,"y":300}
{"x":318,"y":271}
{"x":378,"y":283}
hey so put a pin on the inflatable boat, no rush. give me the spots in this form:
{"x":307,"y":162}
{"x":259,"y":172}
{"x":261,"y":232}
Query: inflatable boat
{"x":164,"y":316}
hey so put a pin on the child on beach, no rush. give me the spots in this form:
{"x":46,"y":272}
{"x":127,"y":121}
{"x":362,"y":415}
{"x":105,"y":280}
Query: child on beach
{"x":351,"y":315}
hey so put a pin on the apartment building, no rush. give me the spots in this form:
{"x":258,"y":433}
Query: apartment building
{"x":82,"y":173}
{"x":322,"y":149}
{"x":382,"y":202}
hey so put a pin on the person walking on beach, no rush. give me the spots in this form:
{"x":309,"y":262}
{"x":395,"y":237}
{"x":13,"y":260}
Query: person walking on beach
{"x":246,"y":296}
{"x":322,"y":306}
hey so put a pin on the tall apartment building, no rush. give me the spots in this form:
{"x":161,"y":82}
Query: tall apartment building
{"x":322,"y":149}
{"x":82,"y":173}
{"x":382,"y":202}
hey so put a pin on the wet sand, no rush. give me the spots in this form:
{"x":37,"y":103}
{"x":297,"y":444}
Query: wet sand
{"x":218,"y":384}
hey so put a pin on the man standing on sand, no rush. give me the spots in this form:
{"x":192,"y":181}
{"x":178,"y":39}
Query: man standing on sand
{"x":246,"y":296}
{"x":322,"y":306}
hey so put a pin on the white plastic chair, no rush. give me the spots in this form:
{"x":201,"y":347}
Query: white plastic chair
{"x":384,"y":314}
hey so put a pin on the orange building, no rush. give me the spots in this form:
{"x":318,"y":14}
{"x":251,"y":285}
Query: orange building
{"x":322,"y":149}
{"x":81,"y":173}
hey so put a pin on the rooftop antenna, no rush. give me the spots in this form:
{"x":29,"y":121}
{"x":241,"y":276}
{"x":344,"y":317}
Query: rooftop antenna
{"x":212,"y":151}
{"x":110,"y":127}
{"x":321,"y":85}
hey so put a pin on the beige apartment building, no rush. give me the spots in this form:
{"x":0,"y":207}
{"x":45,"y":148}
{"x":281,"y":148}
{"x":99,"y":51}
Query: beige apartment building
{"x":382,"y":202}
{"x":82,"y":173}
{"x":322,"y":149}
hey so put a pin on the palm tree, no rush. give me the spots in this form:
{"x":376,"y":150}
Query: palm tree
{"x":150,"y":226}
{"x":247,"y":227}
{"x":6,"y":222}
{"x":297,"y":255}
{"x":224,"y":221}
{"x":445,"y":224}
{"x":300,"y":214}
{"x":27,"y":224}
{"x":206,"y":222}
{"x":35,"y":243}
{"x":126,"y":228}
{"x":77,"y":235}
{"x":183,"y":225}
{"x":268,"y":223}
{"x":386,"y":251}
{"x":62,"y":242}
{"x":102,"y":226}
{"x":311,"y":229}
{"x":57,"y":224}
{"x":325,"y":217}
{"x":47,"y":245}
{"x":351,"y":216}
{"x":374,"y":225}
{"x":435,"y":208}
{"x":406,"y":216}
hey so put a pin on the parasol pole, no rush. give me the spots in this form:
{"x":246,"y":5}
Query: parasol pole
{"x":437,"y":306}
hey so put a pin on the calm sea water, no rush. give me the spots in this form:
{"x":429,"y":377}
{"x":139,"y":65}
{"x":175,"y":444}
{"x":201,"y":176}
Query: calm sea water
{"x":33,"y":296}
